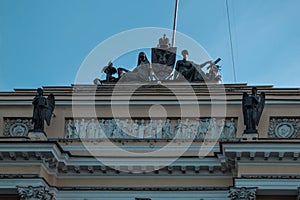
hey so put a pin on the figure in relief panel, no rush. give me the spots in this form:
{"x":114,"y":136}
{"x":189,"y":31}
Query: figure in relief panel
{"x":142,"y":129}
{"x":91,"y":129}
{"x":231,"y":129}
{"x":178,"y":129}
{"x":168,"y":134}
{"x":135,"y":128}
{"x":116,"y":131}
{"x":159,"y":128}
{"x":191,"y":131}
{"x":82,"y":128}
{"x":76,"y":129}
{"x":203,"y":128}
{"x":148,"y":129}
{"x":153,"y":130}
{"x":69,"y":129}
{"x":213,"y":128}
{"x":100,"y":129}
{"x":221,"y":129}
{"x":127,"y":128}
{"x":109,"y":128}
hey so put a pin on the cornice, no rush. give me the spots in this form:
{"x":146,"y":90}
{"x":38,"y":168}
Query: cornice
{"x":57,"y":161}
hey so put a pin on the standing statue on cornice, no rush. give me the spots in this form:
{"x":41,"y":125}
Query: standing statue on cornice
{"x":253,"y":106}
{"x":43,"y":110}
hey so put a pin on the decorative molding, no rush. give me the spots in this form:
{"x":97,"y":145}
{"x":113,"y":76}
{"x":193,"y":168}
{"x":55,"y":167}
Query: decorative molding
{"x":271,"y":176}
{"x":187,"y":129}
{"x":33,"y":193}
{"x":17,"y":127}
{"x":56,"y":161}
{"x":272,"y":185}
{"x":284,"y":128}
{"x":242,"y":193}
{"x":265,"y":150}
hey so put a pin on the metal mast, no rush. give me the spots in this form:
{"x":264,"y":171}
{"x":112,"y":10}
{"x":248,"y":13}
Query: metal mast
{"x":175,"y":23}
{"x":230,"y":39}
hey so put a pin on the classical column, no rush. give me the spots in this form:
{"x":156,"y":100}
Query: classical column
{"x":242,"y":193}
{"x":33,"y":193}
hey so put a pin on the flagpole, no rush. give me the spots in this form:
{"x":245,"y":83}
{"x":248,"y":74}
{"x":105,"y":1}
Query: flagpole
{"x":175,"y":23}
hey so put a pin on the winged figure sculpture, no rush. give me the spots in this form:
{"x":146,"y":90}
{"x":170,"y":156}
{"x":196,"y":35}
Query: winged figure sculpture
{"x":43,"y":110}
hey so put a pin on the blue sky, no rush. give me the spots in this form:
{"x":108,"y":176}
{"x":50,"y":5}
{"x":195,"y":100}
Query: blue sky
{"x":44,"y":42}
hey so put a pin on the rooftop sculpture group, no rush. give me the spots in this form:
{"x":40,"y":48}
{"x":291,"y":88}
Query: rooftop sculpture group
{"x":162,"y":67}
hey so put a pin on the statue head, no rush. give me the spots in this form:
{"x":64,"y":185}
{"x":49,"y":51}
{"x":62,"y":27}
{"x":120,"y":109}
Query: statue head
{"x":185,"y":54}
{"x":142,"y":58}
{"x":254,"y":90}
{"x":40,"y":91}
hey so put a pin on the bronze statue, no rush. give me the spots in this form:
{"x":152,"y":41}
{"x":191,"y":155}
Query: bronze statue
{"x":253,"y":106}
{"x":43,"y":110}
{"x":121,"y":72}
{"x":190,"y":71}
{"x":141,"y":73}
{"x":109,"y":70}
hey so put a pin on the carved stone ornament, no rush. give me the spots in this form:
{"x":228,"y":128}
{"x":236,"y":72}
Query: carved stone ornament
{"x":17,"y":127}
{"x":164,"y":42}
{"x":33,"y":193}
{"x":206,"y":128}
{"x":284,"y":128}
{"x":242,"y":193}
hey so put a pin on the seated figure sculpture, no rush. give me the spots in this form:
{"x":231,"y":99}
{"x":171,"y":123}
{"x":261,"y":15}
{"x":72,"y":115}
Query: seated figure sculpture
{"x":141,"y":73}
{"x":213,"y":74}
{"x":189,"y":71}
{"x":109,"y":70}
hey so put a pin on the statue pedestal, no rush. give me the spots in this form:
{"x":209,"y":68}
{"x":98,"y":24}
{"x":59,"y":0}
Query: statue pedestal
{"x":250,"y":136}
{"x":37,"y":135}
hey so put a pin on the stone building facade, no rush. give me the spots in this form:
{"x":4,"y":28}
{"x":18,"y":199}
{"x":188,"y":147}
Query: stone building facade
{"x":156,"y":141}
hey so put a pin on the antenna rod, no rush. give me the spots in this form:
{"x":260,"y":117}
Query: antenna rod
{"x":230,"y":38}
{"x":175,"y":23}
